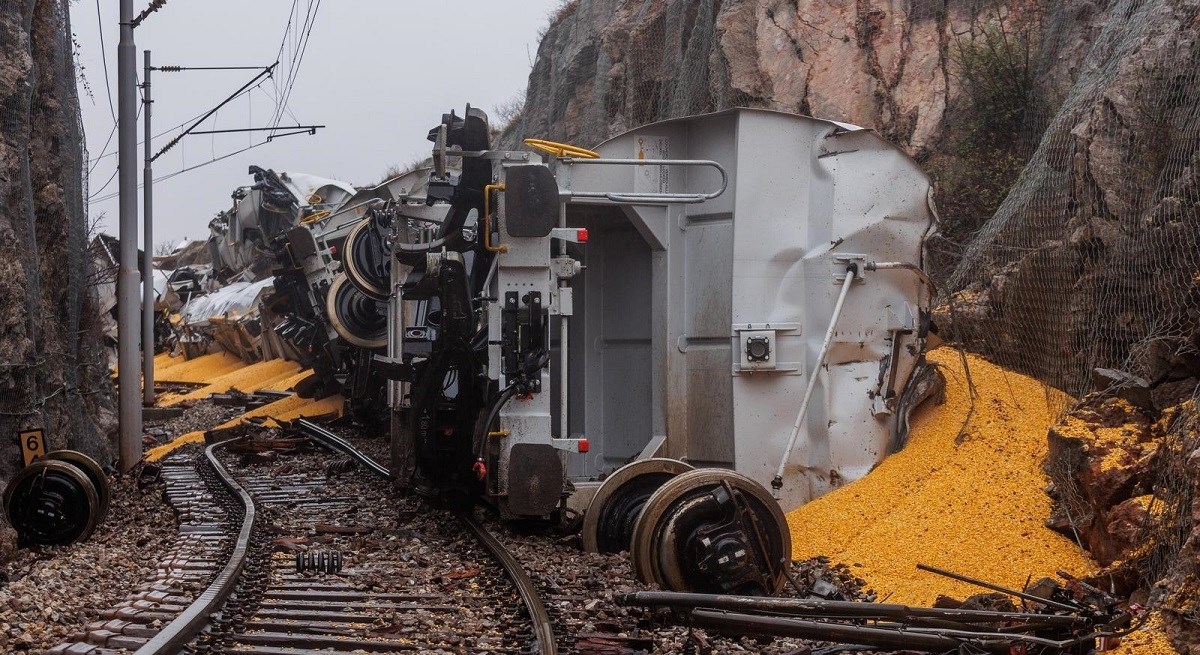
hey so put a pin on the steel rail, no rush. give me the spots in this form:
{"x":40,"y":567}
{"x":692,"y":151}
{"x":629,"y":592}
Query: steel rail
{"x":187,"y":625}
{"x":338,"y":444}
{"x":543,"y":626}
{"x":820,"y":608}
{"x":888,"y":639}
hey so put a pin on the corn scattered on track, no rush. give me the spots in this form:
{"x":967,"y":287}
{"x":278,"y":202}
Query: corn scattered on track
{"x":975,"y":507}
{"x":1150,"y":639}
{"x":222,"y":372}
{"x":285,"y":409}
{"x":248,"y":379}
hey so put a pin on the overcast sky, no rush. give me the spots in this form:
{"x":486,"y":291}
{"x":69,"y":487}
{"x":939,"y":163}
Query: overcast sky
{"x":378,"y":73}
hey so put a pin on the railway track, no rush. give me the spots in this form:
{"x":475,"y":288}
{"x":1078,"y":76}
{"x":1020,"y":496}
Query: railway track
{"x":288,"y":557}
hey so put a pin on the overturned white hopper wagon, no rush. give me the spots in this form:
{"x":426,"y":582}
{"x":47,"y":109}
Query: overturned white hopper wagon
{"x":697,"y":327}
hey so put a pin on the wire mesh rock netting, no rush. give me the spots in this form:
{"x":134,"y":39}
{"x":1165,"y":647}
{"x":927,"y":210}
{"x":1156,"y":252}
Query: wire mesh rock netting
{"x":1093,"y":259}
{"x":52,"y":368}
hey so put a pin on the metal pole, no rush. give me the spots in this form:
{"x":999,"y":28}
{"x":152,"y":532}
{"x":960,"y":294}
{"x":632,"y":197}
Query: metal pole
{"x":148,"y":295}
{"x":128,"y":327}
{"x":564,"y":352}
{"x":777,"y":483}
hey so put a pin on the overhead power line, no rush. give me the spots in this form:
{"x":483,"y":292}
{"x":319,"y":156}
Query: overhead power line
{"x":177,"y":69}
{"x":300,"y":47}
{"x":104,"y":59}
{"x":172,"y":129}
{"x":170,"y":144}
{"x":311,"y":129}
{"x":214,"y":160}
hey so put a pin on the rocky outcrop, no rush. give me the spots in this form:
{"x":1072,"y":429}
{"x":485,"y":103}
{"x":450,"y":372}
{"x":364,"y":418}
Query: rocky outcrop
{"x":1100,"y":461}
{"x":965,"y":86}
{"x":52,"y":372}
{"x":1126,"y":481}
{"x":605,"y":66}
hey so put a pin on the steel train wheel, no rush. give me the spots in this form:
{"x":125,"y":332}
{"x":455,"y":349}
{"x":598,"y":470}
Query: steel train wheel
{"x":365,"y":262}
{"x":356,"y":317}
{"x":712,"y":531}
{"x":610,"y":518}
{"x":92,"y":470}
{"x":52,"y":503}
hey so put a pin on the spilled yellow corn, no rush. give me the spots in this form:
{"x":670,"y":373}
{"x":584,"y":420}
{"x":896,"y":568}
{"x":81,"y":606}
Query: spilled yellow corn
{"x":200,"y":370}
{"x":284,"y":409}
{"x":222,"y":372}
{"x":975,"y":507}
{"x":1149,"y":639}
{"x":248,"y":379}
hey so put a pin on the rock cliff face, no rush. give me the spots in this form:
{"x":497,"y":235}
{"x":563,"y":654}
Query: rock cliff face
{"x":605,"y":66}
{"x":1068,"y":128}
{"x":965,"y":86}
{"x":52,"y":372}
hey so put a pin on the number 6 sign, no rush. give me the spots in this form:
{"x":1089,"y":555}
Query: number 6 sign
{"x":33,"y":445}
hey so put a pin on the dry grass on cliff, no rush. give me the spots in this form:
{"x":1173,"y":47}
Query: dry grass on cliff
{"x":565,"y":9}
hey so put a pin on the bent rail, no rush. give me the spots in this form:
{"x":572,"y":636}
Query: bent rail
{"x":187,"y":625}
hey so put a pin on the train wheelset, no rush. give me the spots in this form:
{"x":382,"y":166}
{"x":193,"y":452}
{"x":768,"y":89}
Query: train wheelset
{"x":691,"y":530}
{"x":58,"y":499}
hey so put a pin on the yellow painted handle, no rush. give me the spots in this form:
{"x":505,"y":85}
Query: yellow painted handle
{"x":316,"y":216}
{"x":561,"y":149}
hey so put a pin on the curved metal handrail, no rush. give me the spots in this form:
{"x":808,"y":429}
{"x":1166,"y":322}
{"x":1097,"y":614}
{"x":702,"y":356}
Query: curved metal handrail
{"x":650,"y":198}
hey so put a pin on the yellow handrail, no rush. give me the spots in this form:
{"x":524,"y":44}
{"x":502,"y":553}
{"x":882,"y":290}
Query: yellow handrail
{"x":316,"y":216}
{"x":561,"y":149}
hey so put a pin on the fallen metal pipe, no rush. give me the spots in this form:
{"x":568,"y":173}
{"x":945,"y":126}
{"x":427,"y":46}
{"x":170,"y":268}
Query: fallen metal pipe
{"x":1004,"y":590}
{"x":839,"y":609}
{"x":887,"y":638}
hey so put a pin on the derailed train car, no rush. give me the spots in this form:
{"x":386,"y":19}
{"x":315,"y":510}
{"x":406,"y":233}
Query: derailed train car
{"x":338,"y":327}
{"x":281,"y":240}
{"x":721,"y":316}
